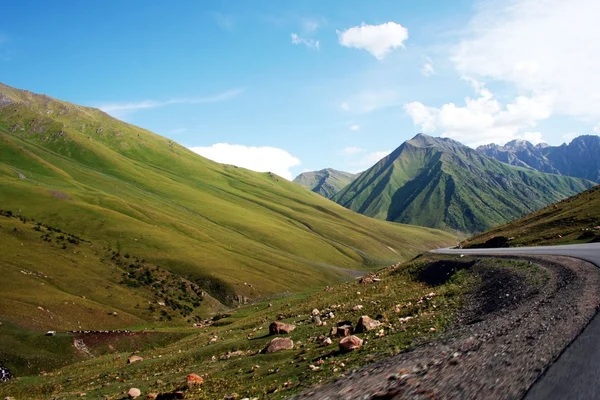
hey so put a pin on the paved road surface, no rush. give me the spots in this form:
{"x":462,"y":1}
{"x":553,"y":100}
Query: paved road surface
{"x":576,"y":373}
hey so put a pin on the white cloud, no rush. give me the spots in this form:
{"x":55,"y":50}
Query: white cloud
{"x":121,"y":109}
{"x":310,"y":25}
{"x":260,"y":159}
{"x":567,"y":137}
{"x":311,"y":43}
{"x":371,"y":100}
{"x":597,"y":128}
{"x":483,"y":119}
{"x":379,"y":40}
{"x":533,"y":137}
{"x":543,"y":47}
{"x":427,"y":69}
{"x":355,"y":127}
{"x":350,"y":151}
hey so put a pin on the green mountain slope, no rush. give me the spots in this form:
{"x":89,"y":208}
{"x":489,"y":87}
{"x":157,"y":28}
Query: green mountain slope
{"x":573,"y":220}
{"x":441,"y":183}
{"x":326,"y":182}
{"x":234,"y":232}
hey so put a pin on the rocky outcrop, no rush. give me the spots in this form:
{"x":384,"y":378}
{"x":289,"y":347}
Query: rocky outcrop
{"x":350,"y":343}
{"x":279,"y":344}
{"x":366,"y":323}
{"x":278,"y":328}
{"x":194,"y":380}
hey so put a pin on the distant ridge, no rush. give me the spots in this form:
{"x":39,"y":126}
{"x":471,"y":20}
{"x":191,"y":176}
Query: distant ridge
{"x":580,"y":158}
{"x":441,"y":183}
{"x":326,"y":182}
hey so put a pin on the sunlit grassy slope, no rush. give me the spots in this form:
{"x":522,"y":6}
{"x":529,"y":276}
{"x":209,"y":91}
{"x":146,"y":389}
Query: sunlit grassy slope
{"x":233,"y":231}
{"x":573,"y":220}
{"x":441,"y":183}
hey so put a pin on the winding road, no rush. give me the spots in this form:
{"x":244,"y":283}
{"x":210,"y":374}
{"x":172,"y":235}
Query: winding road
{"x":576,"y":373}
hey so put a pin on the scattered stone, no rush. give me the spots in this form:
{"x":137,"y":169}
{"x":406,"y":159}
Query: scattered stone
{"x":326,"y":342}
{"x":343,"y":329}
{"x":194,"y":380}
{"x":279,"y":344}
{"x":315,"y":312}
{"x":134,"y":393}
{"x":51,"y":333}
{"x":277,"y":328}
{"x":231,"y":396}
{"x":152,"y":396}
{"x":133,"y":359}
{"x":366,"y":324}
{"x":313,"y":367}
{"x":350,"y":343}
{"x":357,"y":307}
{"x":5,"y":374}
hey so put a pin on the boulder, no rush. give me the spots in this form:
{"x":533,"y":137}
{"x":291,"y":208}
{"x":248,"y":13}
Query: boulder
{"x":366,"y":323}
{"x":134,"y":393}
{"x":194,"y":380}
{"x":350,"y":343}
{"x":277,"y":328}
{"x":133,"y":359}
{"x":344,"y":329}
{"x":279,"y":344}
{"x":326,"y":342}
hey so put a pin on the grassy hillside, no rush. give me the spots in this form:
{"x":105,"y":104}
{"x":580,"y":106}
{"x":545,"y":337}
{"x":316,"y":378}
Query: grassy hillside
{"x":236,"y":233}
{"x":326,"y":182}
{"x":441,"y":183}
{"x":415,"y":302}
{"x":573,"y":220}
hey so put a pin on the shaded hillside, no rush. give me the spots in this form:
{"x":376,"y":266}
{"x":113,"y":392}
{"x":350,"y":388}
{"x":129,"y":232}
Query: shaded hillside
{"x":232,"y":231}
{"x":573,"y":220}
{"x":326,"y":182}
{"x":579,"y":158}
{"x":443,"y":184}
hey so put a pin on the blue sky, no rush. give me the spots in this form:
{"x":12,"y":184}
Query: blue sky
{"x":294,"y":86}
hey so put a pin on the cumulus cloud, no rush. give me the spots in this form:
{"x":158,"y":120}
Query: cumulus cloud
{"x":543,"y":47}
{"x":119,"y":109}
{"x":259,"y":159}
{"x":533,"y":137}
{"x":355,"y":127}
{"x":312,"y":43}
{"x":482,"y":119}
{"x":379,"y":40}
{"x":352,"y":150}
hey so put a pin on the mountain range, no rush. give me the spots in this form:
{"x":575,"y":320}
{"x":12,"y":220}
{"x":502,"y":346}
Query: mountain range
{"x":326,"y":182}
{"x":579,"y":158}
{"x":441,"y":183}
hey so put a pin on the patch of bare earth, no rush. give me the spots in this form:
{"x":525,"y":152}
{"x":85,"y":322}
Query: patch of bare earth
{"x":509,"y":332}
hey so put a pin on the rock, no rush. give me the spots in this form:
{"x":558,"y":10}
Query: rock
{"x":171,"y":395}
{"x":366,"y":324}
{"x":152,"y":396}
{"x":134,"y":393}
{"x":279,"y":344}
{"x":5,"y":374}
{"x":231,"y":396}
{"x":326,"y":342}
{"x":317,"y":320}
{"x":344,"y":329}
{"x":277,"y":328}
{"x":315,"y":312}
{"x":133,"y":359}
{"x":357,"y":307}
{"x":194,"y":380}
{"x":350,"y":343}
{"x":51,"y":333}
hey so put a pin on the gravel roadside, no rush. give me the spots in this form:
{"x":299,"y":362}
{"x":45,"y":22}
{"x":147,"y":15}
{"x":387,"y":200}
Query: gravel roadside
{"x":508,"y":334}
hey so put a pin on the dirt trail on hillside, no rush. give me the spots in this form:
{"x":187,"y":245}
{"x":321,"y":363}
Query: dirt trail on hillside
{"x":507,"y":335}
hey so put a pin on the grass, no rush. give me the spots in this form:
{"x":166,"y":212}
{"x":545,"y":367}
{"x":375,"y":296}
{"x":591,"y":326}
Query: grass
{"x":573,"y":220}
{"x":326,"y":182}
{"x":231,"y":363}
{"x":443,"y":184}
{"x":237,"y":233}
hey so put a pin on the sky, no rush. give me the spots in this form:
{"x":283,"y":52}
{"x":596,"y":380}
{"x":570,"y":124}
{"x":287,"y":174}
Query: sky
{"x":289,"y":87}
